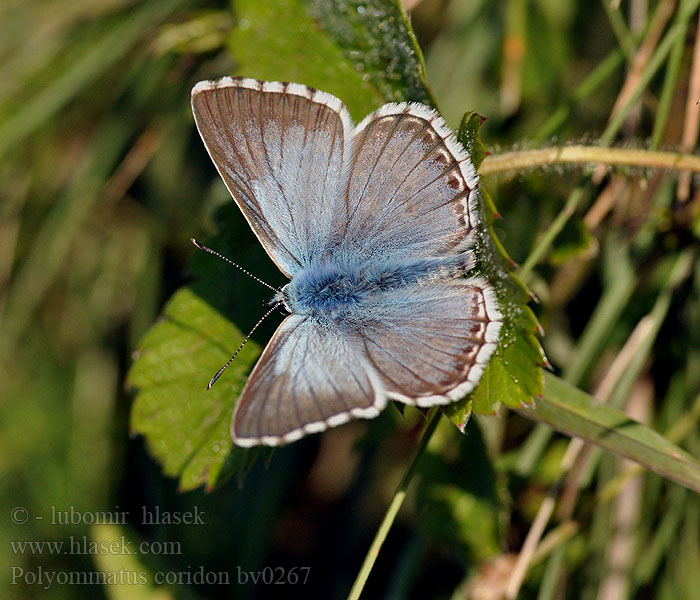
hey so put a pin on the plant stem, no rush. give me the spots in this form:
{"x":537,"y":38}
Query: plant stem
{"x":657,"y":59}
{"x":590,"y":84}
{"x":516,"y":161}
{"x":617,"y":23}
{"x":545,"y":242}
{"x":669,"y":88}
{"x":392,"y":511}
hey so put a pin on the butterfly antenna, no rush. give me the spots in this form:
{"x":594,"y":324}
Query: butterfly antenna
{"x":229,"y":261}
{"x":230,"y":360}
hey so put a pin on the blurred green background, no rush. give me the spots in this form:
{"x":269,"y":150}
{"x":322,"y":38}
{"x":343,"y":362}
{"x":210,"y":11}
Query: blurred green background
{"x":103,"y":180}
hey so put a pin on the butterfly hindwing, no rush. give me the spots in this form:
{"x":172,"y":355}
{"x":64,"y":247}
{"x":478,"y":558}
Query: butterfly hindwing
{"x":309,"y":378}
{"x":433,"y":343}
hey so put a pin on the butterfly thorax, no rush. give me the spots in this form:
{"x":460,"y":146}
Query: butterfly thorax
{"x":333,"y":288}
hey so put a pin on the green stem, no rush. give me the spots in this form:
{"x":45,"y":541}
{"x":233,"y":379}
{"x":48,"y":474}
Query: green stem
{"x":577,"y":414}
{"x":589,"y":85}
{"x":657,"y":59}
{"x":619,"y":27}
{"x":680,"y":271}
{"x":392,"y":511}
{"x":545,"y":242}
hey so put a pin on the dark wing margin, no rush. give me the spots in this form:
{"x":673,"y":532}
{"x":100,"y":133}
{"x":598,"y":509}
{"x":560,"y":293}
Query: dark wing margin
{"x":309,"y":378}
{"x":280,"y":149}
{"x":412,"y":189}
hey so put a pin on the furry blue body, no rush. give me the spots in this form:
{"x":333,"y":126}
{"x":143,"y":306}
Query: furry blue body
{"x":331,"y":289}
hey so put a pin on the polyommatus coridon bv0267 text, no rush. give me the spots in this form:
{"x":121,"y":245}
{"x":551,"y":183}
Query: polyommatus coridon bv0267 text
{"x":375,"y":226}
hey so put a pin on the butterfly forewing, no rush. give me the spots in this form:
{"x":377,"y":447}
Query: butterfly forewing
{"x":411,"y":190}
{"x":280,"y":148}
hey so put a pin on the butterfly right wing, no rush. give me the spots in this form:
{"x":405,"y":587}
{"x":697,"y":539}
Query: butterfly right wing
{"x":280,"y":149}
{"x":431,"y":342}
{"x":412,"y":188}
{"x":309,"y":377}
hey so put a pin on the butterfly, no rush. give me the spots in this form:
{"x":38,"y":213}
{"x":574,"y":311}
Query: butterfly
{"x":375,"y":227}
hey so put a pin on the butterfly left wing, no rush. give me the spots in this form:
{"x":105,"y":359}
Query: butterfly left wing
{"x":309,"y":377}
{"x":281,"y":149}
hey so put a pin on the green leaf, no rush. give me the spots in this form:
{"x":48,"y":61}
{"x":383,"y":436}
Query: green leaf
{"x":279,"y":40}
{"x":376,"y":36}
{"x":186,"y":426}
{"x":468,"y":135}
{"x":362,"y":52}
{"x":514,"y":375}
{"x":459,"y":413}
{"x":575,"y":413}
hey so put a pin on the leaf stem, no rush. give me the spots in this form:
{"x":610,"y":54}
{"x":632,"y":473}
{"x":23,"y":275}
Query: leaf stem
{"x":392,"y":511}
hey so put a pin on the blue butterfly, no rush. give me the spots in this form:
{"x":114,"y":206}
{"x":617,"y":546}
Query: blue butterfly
{"x":375,"y":226}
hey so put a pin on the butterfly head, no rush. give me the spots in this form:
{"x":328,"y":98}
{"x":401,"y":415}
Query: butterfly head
{"x":283,"y":298}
